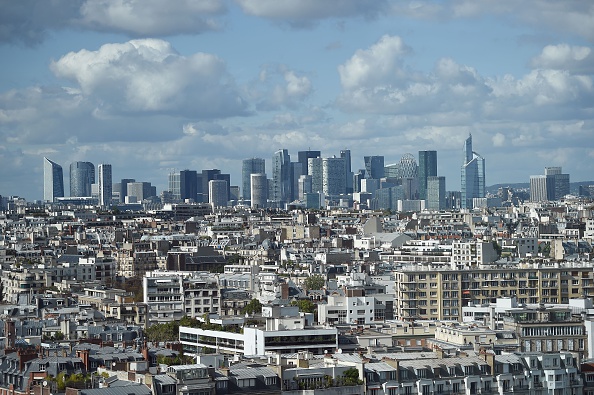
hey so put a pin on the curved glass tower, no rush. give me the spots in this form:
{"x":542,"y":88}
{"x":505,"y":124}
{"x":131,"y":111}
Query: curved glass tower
{"x":472,"y":175}
{"x":53,"y":180}
{"x":82,"y":175}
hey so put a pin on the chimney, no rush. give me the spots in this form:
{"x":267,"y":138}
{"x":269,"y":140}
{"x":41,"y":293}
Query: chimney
{"x":224,"y":371}
{"x":84,"y":356}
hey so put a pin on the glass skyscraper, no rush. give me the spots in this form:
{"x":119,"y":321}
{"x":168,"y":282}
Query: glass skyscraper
{"x":249,"y":167}
{"x":53,"y":180}
{"x":82,"y":176}
{"x":427,"y":168}
{"x":105,"y":185}
{"x":281,"y":177}
{"x":374,"y":166}
{"x":472,"y":175}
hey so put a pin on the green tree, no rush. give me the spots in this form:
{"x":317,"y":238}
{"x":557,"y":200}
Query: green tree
{"x":168,"y":331}
{"x":253,"y":307}
{"x":314,"y":282}
{"x":497,"y":248}
{"x":351,"y":377}
{"x":305,"y":305}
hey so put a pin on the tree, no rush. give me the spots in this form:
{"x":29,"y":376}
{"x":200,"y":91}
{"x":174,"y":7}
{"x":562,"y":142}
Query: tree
{"x":314,"y":282}
{"x":351,"y":377}
{"x":305,"y":305}
{"x":163,"y":332}
{"x":497,"y":248}
{"x":253,"y":307}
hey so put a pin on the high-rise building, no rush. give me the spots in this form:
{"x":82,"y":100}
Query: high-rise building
{"x":188,"y":184}
{"x":346,"y":155}
{"x":561,"y":181}
{"x":304,"y":185}
{"x":142,"y":190}
{"x":427,"y":168}
{"x":249,"y":167}
{"x":303,"y":156}
{"x":333,"y":176}
{"x":542,"y":188}
{"x":105,"y":186}
{"x":53,"y":180}
{"x":124,"y":188}
{"x":218,"y":195}
{"x":296,"y":172}
{"x":374,"y":167}
{"x":174,"y":185}
{"x":314,"y":169}
{"x":436,"y":193}
{"x":258,"y":190}
{"x":281,"y":177}
{"x":82,"y":176}
{"x":209,"y":175}
{"x":472,"y":175}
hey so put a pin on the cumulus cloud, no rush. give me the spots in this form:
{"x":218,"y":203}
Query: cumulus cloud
{"x":576,"y":59}
{"x":148,"y":75}
{"x":278,"y":87}
{"x":300,"y":13}
{"x":30,"y":21}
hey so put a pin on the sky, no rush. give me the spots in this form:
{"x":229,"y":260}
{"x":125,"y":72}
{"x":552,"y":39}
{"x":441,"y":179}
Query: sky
{"x":153,"y":86}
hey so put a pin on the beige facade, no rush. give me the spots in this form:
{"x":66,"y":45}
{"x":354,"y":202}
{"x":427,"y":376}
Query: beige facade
{"x":436,"y":292}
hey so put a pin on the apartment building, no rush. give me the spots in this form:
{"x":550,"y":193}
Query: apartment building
{"x":437,"y":292}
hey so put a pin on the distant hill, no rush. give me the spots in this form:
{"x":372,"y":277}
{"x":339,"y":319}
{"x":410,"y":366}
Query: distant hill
{"x":573,"y":186}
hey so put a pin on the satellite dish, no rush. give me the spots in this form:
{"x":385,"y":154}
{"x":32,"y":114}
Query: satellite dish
{"x":44,"y":383}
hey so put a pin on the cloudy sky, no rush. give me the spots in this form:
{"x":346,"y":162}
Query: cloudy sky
{"x":152,"y":85}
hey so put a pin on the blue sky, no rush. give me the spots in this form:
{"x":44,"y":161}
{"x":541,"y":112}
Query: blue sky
{"x":150,"y":86}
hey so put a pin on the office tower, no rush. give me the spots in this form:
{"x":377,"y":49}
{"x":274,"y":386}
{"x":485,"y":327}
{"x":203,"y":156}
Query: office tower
{"x":561,"y":181}
{"x":333,"y":176}
{"x":124,"y":187}
{"x":281,"y":177}
{"x":392,"y":170}
{"x":296,"y":172}
{"x":436,"y":193}
{"x":346,"y":155}
{"x":53,"y":180}
{"x":174,"y":185}
{"x":104,"y":181}
{"x":357,"y":177}
{"x":370,"y":185}
{"x":249,"y":167}
{"x":142,"y":190}
{"x":218,"y":193}
{"x":314,"y":169}
{"x":258,"y":190}
{"x":374,"y":167}
{"x":542,"y":188}
{"x":82,"y":175}
{"x":472,"y":175}
{"x":427,"y":168}
{"x":188,"y":185}
{"x":303,"y":156}
{"x":304,"y":185}
{"x":207,"y":176}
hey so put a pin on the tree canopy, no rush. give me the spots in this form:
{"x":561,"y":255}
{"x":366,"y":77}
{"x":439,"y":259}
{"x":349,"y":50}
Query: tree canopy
{"x":314,"y":282}
{"x":253,"y":307}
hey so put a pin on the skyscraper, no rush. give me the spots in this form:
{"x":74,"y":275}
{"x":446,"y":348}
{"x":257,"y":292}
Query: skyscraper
{"x":249,"y":167}
{"x":346,"y":155}
{"x":217,"y":193}
{"x":82,"y":176}
{"x":374,"y":166}
{"x":53,"y":180}
{"x":281,"y":177}
{"x":472,"y":175}
{"x":188,"y":184}
{"x":561,"y":181}
{"x":436,"y":193}
{"x":427,"y":168}
{"x":174,"y":185}
{"x":314,"y":169}
{"x":104,"y":183}
{"x":258,"y":190}
{"x":303,"y":156}
{"x":124,"y":188}
{"x":542,"y":188}
{"x":333,"y":176}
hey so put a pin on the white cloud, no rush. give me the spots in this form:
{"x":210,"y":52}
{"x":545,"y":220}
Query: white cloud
{"x":303,"y":12}
{"x":148,"y":75}
{"x":576,"y":59}
{"x":278,"y":87}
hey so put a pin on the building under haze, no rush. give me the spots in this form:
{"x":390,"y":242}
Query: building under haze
{"x":281,"y":177}
{"x":218,"y":195}
{"x":53,"y":180}
{"x":472,"y":175}
{"x":374,"y":166}
{"x":560,"y":180}
{"x":427,"y":168}
{"x":436,"y":193}
{"x":249,"y":167}
{"x":258,"y":190}
{"x":82,"y":176}
{"x":104,"y":184}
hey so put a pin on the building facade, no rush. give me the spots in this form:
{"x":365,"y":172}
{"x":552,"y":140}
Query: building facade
{"x":472,"y":175}
{"x":82,"y":176}
{"x":104,"y":184}
{"x":53,"y":180}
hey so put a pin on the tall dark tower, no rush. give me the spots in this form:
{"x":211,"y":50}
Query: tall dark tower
{"x":427,"y":168}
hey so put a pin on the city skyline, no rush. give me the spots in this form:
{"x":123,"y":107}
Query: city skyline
{"x":216,"y":83}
